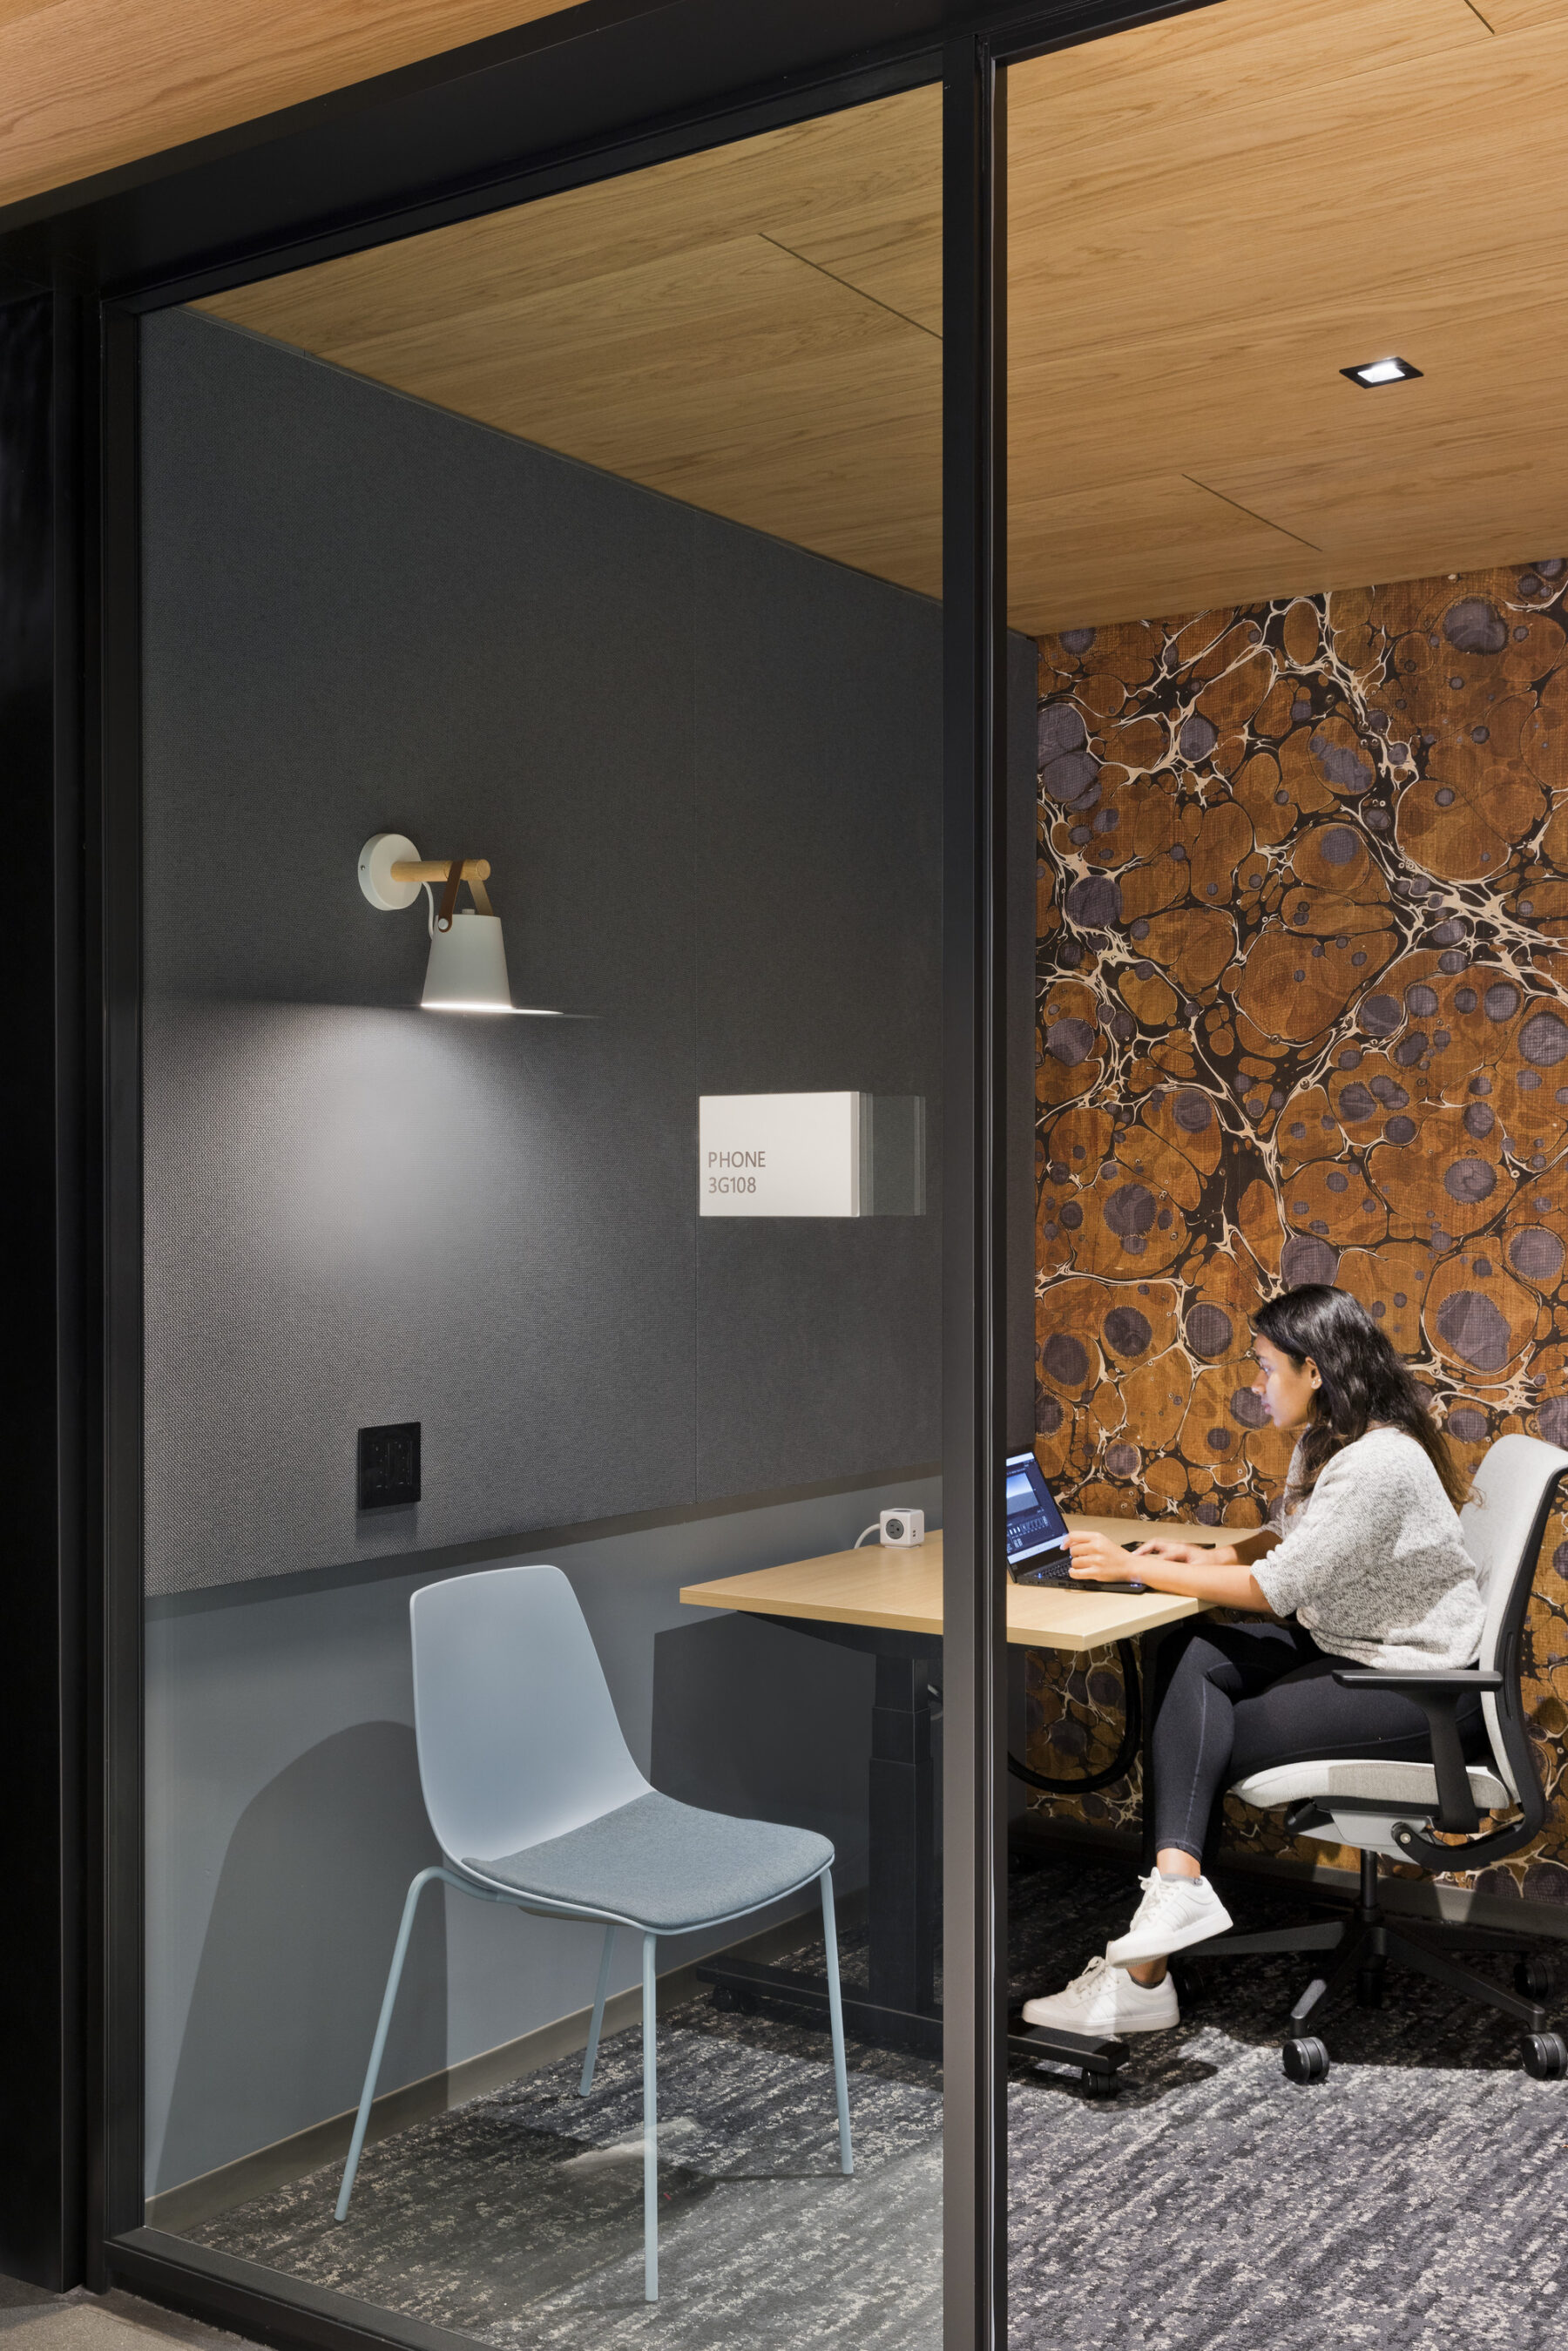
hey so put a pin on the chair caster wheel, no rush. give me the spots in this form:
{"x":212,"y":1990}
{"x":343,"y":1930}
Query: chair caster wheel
{"x":1369,"y":1988}
{"x":1305,"y":2061}
{"x":1099,"y":2086}
{"x":1534,"y":1978}
{"x":1545,"y":2056}
{"x":731,"y":2002}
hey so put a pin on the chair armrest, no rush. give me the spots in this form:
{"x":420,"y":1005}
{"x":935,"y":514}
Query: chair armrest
{"x":1437,"y":1694}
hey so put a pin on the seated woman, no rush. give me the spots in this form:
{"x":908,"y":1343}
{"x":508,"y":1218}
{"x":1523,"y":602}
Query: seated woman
{"x":1362,"y":1560}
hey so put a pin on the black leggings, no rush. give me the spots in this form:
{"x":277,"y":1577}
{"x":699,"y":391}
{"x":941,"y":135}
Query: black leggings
{"x":1231,"y":1699}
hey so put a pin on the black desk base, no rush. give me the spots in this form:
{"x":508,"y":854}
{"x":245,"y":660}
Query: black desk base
{"x":742,"y":1984}
{"x":901,"y":2009}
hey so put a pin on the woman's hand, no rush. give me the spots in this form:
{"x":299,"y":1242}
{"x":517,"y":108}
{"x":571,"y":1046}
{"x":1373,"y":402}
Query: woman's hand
{"x":1212,"y":1572}
{"x":1097,"y":1557}
{"x":1101,"y":1559}
{"x":1186,"y":1554}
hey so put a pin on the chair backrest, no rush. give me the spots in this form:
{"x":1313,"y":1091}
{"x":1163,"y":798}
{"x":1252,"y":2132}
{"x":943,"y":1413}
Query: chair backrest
{"x":1503,"y":1525}
{"x":518,"y":1739}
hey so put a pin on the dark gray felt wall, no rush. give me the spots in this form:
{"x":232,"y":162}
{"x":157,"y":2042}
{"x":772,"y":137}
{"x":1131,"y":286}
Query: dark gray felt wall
{"x":705,"y":769}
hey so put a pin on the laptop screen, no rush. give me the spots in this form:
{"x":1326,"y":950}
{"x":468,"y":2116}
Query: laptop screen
{"x":1034,"y":1523}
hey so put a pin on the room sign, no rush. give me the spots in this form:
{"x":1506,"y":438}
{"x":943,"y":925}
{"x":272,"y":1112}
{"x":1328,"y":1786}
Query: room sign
{"x":779,"y":1154}
{"x":838,"y":1154}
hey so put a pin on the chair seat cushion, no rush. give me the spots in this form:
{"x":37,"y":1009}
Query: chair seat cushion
{"x":663,"y":1865}
{"x":1414,"y":1784}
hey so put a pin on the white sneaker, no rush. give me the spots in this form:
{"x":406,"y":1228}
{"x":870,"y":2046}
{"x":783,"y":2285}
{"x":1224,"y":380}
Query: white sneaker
{"x":1174,"y":1912}
{"x":1105,"y":1999}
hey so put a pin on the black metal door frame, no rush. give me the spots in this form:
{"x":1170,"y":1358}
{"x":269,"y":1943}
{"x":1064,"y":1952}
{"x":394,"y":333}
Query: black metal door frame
{"x":606,"y":88}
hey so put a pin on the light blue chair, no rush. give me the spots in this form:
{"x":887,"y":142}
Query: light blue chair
{"x":535,"y":1801}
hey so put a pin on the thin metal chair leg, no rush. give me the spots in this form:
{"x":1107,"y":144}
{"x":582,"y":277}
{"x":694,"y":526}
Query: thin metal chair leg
{"x":592,"y":2052}
{"x":836,"y":2018}
{"x":650,"y":2126}
{"x":378,"y":2048}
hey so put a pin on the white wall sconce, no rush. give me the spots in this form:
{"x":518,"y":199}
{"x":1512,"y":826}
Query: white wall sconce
{"x":468,"y":966}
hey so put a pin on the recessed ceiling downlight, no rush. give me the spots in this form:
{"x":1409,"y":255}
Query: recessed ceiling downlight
{"x":1373,"y":372}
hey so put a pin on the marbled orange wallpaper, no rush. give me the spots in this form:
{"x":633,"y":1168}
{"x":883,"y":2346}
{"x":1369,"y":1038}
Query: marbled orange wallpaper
{"x":1303,"y":1016}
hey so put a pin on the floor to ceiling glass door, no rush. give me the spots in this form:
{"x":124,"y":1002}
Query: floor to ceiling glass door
{"x":543,"y":1237}
{"x":1284,"y":527}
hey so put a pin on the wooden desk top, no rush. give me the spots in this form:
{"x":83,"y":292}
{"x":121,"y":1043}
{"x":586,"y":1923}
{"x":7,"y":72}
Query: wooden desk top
{"x":901,"y":1591}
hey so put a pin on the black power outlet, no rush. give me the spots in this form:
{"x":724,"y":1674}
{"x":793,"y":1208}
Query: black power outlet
{"x":388,"y":1466}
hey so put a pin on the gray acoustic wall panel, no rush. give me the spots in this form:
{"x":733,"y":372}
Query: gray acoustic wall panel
{"x":705,"y":769}
{"x":363,"y":615}
{"x":819,"y":889}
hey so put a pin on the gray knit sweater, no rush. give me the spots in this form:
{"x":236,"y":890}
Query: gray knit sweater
{"x":1373,"y":1563}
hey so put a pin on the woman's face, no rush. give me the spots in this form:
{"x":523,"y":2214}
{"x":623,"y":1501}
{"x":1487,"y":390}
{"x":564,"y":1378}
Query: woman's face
{"x":1286,"y":1387}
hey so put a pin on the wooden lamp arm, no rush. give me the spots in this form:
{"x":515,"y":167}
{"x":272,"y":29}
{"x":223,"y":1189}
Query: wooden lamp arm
{"x":392,"y":874}
{"x":436,"y":868}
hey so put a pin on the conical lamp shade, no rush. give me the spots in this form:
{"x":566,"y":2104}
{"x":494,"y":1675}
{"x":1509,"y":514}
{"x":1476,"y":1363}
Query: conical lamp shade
{"x":467,"y":967}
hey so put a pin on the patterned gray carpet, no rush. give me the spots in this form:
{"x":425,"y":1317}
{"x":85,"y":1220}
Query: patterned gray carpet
{"x":1415,"y":2201}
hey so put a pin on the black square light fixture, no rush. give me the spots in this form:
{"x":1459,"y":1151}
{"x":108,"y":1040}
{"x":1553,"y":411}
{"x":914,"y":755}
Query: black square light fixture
{"x":1375,"y":372}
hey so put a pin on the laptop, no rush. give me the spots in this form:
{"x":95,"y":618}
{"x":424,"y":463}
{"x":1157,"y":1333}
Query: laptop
{"x":1037,"y":1537}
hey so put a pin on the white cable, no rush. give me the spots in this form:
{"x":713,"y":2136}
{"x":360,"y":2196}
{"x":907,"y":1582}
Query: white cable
{"x":874,"y":1527}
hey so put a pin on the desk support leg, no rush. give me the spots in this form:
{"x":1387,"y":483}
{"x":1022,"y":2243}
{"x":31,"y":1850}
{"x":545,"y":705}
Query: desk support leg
{"x":901,"y":1895}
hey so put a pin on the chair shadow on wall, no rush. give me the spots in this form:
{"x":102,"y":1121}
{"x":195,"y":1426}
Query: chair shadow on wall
{"x":293,"y":1965}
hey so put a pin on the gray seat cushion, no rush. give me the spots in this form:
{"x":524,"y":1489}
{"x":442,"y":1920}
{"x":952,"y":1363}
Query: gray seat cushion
{"x":663,"y":1865}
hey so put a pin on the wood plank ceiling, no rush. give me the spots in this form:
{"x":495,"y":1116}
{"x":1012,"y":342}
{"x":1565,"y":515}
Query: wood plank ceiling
{"x":86,"y":85}
{"x":756,"y":329}
{"x":1209,"y":218}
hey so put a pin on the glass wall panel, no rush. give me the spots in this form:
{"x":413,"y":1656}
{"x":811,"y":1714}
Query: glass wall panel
{"x":1285,"y":524}
{"x":543,"y":1228}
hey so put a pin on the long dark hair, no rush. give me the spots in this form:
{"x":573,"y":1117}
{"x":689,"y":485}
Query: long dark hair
{"x":1364,"y":1380}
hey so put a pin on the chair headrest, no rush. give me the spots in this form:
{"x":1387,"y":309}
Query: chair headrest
{"x":1499,"y":1520}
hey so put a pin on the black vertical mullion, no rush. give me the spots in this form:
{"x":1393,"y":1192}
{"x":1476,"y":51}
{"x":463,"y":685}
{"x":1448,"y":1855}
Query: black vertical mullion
{"x":42,"y":1375}
{"x":116,"y":2010}
{"x":76,"y":1253}
{"x":975,"y":1173}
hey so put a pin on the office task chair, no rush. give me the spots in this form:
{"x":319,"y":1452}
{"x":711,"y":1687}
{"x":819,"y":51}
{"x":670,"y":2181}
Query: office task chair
{"x":1386,"y":1807}
{"x":535,"y":1801}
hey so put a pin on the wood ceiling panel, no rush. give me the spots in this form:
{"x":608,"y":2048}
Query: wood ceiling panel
{"x":1209,"y":219}
{"x":86,"y":85}
{"x":1370,"y":516}
{"x":1364,"y":196}
{"x":1190,"y":404}
{"x":1162,"y":85}
{"x":1393,"y":179}
{"x":1069,"y":553}
{"x":866,"y":181}
{"x":814,"y":411}
{"x":750,"y":330}
{"x":1520,"y":16}
{"x":616,"y":353}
